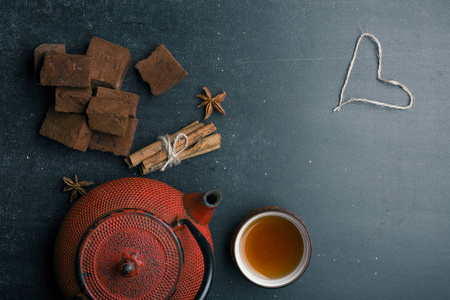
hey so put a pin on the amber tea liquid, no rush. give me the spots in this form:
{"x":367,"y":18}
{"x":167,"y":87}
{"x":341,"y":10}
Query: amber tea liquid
{"x":272,"y":246}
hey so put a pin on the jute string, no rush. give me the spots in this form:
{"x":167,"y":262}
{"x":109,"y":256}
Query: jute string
{"x":172,"y":156}
{"x":393,"y":82}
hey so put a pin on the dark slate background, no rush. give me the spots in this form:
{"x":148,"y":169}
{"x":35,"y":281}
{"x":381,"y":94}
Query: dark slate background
{"x":371,"y":184}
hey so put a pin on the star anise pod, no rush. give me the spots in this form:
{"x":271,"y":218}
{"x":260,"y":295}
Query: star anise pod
{"x":75,"y":186}
{"x":211,"y":103}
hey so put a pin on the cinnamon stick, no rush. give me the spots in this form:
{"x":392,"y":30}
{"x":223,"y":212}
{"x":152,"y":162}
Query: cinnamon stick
{"x":136,"y":158}
{"x":202,"y":145}
{"x":203,"y":151}
{"x":205,"y":145}
{"x":193,"y":138}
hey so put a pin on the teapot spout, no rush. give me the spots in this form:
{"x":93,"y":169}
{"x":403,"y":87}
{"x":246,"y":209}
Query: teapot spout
{"x":200,"y":207}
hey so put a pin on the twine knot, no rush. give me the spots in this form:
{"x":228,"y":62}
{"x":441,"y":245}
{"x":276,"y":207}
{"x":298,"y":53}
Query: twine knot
{"x":172,"y":156}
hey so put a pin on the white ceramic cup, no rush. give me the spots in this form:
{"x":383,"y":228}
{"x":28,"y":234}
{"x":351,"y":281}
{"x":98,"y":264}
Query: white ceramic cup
{"x":248,"y":271}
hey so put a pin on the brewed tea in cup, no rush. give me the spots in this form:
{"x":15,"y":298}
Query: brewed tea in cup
{"x":272,"y":247}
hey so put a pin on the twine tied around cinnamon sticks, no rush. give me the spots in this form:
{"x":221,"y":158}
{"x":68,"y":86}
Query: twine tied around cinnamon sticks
{"x":172,"y":156}
{"x":171,"y":149}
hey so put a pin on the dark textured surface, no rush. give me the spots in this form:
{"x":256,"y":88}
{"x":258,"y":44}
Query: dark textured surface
{"x":371,"y":184}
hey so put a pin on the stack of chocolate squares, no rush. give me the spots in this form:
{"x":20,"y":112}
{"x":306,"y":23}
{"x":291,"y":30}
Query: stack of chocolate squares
{"x":90,"y":109}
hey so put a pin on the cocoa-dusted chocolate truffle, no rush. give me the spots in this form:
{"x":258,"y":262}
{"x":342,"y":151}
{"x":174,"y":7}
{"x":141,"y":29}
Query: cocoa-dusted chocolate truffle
{"x":118,"y":145}
{"x":73,"y":100}
{"x":161,"y":71}
{"x":39,"y":53}
{"x":71,"y":70}
{"x":69,"y":129}
{"x":110,"y":63}
{"x":108,"y":115}
{"x":130,"y":99}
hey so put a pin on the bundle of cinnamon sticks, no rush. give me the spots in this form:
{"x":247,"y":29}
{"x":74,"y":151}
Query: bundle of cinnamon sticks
{"x":199,"y":141}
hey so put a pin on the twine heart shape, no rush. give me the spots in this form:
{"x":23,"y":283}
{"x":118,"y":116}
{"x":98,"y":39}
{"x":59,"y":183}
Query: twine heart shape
{"x":392,"y":82}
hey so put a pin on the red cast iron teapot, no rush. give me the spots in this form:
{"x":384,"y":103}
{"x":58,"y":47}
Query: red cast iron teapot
{"x":137,"y":238}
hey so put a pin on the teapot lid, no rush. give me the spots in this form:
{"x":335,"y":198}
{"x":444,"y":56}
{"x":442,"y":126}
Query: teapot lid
{"x":129,"y":254}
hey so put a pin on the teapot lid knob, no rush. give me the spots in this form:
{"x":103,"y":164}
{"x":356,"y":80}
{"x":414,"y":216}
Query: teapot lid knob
{"x":129,"y":265}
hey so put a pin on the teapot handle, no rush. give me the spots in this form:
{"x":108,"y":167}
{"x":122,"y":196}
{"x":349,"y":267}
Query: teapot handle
{"x":208,"y":259}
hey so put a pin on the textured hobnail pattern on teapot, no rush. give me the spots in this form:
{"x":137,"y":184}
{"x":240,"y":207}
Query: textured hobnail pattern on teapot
{"x":138,"y":193}
{"x":123,"y":234}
